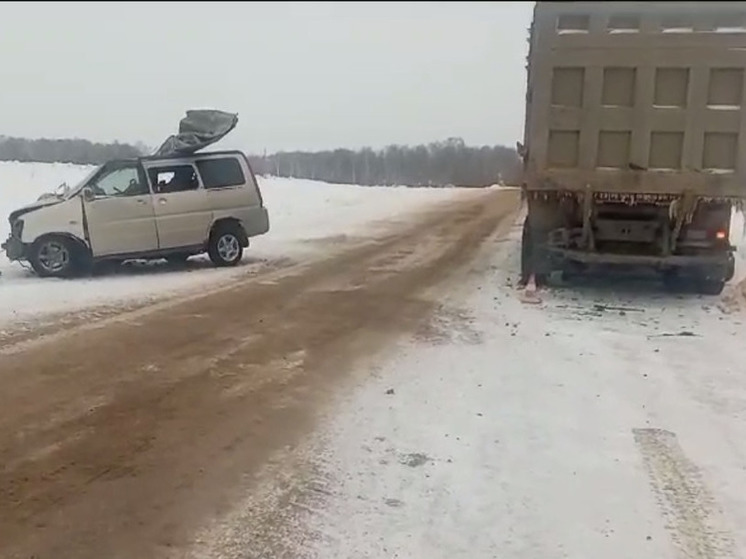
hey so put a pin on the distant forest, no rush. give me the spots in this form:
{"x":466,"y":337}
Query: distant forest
{"x":449,"y":162}
{"x":80,"y":152}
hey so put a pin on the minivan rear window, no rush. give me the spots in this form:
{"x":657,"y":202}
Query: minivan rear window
{"x":221,"y":172}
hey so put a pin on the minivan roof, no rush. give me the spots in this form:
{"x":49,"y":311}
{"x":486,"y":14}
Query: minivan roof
{"x":176,"y":156}
{"x":191,"y":155}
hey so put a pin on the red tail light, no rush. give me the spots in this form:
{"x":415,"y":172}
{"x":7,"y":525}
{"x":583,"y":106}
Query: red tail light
{"x":720,"y":235}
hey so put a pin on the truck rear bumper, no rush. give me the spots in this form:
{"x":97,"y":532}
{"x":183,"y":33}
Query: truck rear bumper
{"x":673,"y":261}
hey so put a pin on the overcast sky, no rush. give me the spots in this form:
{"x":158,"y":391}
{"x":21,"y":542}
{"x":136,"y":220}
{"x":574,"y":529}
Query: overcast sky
{"x":306,"y":75}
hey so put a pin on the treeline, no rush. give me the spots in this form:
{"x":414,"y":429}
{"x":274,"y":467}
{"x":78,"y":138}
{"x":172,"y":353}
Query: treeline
{"x":81,"y":152}
{"x":451,"y":162}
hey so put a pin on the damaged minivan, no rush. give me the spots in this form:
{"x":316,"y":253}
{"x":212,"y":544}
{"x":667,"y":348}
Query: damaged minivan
{"x":173,"y":204}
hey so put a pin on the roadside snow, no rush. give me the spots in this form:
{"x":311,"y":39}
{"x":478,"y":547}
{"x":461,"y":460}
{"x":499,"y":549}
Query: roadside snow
{"x":607,"y":422}
{"x":738,"y":238}
{"x":300,"y":211}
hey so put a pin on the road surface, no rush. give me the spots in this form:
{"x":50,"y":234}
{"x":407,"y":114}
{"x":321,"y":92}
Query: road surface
{"x":122,"y":437}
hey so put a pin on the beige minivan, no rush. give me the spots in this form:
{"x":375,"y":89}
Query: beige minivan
{"x":152,"y":207}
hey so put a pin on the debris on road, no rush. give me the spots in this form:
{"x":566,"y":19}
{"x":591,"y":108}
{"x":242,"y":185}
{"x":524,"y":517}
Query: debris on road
{"x":682,"y":334}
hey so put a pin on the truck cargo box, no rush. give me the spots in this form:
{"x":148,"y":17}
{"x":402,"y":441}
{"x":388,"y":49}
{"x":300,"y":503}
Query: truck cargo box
{"x":637,"y":97}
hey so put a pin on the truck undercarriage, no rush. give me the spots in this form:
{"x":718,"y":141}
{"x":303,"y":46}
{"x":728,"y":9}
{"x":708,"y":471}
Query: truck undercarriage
{"x":685,"y":237}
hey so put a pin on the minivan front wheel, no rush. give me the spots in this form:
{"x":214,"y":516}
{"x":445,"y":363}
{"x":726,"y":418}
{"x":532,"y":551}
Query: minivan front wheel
{"x":56,"y":257}
{"x":225,"y":247}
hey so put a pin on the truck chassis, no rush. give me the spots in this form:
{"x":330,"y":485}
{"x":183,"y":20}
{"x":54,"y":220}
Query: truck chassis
{"x":685,"y":238}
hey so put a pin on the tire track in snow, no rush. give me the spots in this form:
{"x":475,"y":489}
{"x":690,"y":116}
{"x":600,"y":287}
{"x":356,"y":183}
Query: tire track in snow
{"x":690,"y":511}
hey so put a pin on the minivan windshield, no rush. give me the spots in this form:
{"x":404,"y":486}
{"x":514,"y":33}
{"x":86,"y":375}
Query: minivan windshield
{"x":79,"y":186}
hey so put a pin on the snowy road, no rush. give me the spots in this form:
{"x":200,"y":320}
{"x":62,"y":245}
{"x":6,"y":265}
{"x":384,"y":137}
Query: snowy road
{"x":593,"y":425}
{"x":123,"y":436}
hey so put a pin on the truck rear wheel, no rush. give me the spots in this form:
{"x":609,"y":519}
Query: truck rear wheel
{"x":525,"y":253}
{"x":731,"y":268}
{"x":673,"y":282}
{"x":711,"y":281}
{"x":710,"y":286}
{"x":531,"y":257}
{"x":676,"y":282}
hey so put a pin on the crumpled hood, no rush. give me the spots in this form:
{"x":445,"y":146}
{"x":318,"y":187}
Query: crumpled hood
{"x":41,"y":203}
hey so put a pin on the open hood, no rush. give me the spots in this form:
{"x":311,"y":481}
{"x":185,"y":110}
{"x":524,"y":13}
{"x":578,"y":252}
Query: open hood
{"x":197,"y":130}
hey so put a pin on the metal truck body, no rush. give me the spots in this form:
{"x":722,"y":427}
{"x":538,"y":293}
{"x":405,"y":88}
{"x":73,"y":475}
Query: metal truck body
{"x":634,"y":137}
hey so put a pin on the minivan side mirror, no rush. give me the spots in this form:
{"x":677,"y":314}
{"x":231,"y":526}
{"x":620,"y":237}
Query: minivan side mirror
{"x":88,"y":194}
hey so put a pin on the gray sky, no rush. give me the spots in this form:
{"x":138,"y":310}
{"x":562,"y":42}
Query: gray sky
{"x":306,"y":75}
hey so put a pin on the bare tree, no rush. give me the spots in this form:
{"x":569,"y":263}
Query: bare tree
{"x":77,"y":151}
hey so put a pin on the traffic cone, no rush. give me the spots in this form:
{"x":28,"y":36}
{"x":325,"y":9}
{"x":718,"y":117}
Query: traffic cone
{"x":529,"y":293}
{"x":531,"y":285}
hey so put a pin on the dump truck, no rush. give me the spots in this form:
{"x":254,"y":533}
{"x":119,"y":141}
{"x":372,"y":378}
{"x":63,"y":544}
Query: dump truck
{"x":633,"y":149}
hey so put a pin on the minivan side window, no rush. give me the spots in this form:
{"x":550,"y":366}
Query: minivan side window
{"x":173,"y":178}
{"x":221,"y":172}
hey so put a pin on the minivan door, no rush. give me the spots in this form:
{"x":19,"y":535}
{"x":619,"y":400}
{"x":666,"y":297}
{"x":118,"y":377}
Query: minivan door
{"x":120,"y":218}
{"x":183,"y":216}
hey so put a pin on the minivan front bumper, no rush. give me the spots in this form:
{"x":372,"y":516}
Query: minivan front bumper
{"x":14,"y":249}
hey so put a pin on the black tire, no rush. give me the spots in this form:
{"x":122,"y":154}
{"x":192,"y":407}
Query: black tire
{"x":572,"y":271}
{"x":702,"y":284}
{"x":731,"y":270}
{"x":532,"y":257}
{"x":225,"y":248}
{"x":56,"y":256}
{"x":710,"y":286}
{"x":673,"y":282}
{"x":525,"y":253}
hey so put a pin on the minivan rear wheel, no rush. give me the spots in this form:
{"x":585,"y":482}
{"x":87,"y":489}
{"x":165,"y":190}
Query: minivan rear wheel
{"x":225,"y":247}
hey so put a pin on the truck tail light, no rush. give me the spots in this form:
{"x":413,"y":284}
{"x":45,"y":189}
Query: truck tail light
{"x":720,"y":235}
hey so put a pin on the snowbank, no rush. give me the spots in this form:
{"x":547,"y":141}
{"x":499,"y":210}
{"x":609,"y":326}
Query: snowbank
{"x":300,"y":210}
{"x":737,"y":238}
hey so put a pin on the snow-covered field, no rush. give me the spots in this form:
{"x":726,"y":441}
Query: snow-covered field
{"x":606,"y":422}
{"x":299,"y":211}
